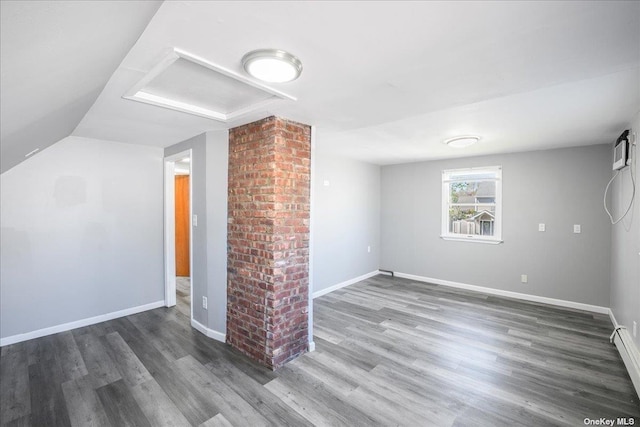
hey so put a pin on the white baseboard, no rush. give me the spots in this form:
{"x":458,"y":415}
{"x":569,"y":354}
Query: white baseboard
{"x":345,"y":283}
{"x":613,"y":319}
{"x":78,"y":323}
{"x":218,"y":336}
{"x":629,"y":353}
{"x":509,"y":294}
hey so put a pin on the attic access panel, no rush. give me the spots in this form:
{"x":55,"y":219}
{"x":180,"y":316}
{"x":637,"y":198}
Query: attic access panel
{"x":187,"y":83}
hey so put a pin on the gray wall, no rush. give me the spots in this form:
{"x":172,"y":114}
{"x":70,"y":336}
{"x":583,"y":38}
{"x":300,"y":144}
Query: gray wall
{"x":556,"y":187}
{"x":81,"y":234}
{"x":346,"y":219}
{"x":209,"y":202}
{"x":217,"y":178}
{"x":625,"y":248}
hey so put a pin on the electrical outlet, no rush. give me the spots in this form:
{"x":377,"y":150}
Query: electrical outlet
{"x":577,"y":229}
{"x":542,"y":227}
{"x":524,"y":278}
{"x":369,"y":249}
{"x":204,"y":302}
{"x":635,"y":328}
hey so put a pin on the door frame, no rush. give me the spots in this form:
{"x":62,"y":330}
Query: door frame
{"x":170,"y":228}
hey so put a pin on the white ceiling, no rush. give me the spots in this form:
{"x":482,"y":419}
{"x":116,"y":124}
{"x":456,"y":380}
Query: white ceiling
{"x":55,"y":58}
{"x":387,"y":82}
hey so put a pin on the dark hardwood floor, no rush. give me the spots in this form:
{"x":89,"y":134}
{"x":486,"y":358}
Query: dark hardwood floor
{"x":389,"y":352}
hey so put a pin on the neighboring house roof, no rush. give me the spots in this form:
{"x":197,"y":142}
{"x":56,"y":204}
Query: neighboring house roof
{"x":479,"y":214}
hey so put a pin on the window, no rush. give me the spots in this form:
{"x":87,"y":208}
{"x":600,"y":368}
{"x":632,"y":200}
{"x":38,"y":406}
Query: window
{"x":472,"y":204}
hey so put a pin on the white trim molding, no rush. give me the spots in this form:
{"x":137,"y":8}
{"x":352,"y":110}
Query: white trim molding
{"x":508,"y":294}
{"x":169,"y":234}
{"x":628,"y":351}
{"x":345,"y":283}
{"x":613,"y":319}
{"x":170,"y":228}
{"x":218,"y":336}
{"x":139,"y":93}
{"x":78,"y":323}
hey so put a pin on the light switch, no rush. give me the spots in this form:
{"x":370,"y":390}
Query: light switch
{"x":195,"y":220}
{"x":541,"y":227}
{"x":577,"y":229}
{"x":326,"y":183}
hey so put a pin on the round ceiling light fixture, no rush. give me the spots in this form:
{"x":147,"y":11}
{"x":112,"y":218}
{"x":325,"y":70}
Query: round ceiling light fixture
{"x":462,"y":141}
{"x":272,"y":65}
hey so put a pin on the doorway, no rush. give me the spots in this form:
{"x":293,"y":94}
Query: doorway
{"x":182,"y":243}
{"x":178,"y":233}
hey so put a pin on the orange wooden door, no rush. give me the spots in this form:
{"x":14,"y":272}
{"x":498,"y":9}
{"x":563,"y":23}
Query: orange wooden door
{"x":182,"y":225}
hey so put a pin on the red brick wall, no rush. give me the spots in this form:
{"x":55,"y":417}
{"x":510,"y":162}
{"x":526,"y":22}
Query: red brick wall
{"x":268,"y":234}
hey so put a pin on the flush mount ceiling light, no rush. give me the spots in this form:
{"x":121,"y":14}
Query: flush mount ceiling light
{"x":272,"y":65}
{"x":462,"y":141}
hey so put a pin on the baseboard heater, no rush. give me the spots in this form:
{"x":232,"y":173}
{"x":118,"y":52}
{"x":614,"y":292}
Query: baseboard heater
{"x":630,"y":355}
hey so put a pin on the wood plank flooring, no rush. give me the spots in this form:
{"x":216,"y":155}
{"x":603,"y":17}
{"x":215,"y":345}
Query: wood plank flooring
{"x":183,"y":295}
{"x":389,"y":352}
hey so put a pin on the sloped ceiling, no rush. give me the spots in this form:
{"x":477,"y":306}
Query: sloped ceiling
{"x":386,"y":82}
{"x":55,"y":59}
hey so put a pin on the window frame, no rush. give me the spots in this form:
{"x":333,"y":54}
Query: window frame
{"x":446,"y":205}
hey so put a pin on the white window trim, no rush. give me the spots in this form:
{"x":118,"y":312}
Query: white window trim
{"x":497,"y":237}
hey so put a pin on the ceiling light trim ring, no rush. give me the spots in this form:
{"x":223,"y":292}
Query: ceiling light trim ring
{"x":462,"y":141}
{"x":279,"y":55}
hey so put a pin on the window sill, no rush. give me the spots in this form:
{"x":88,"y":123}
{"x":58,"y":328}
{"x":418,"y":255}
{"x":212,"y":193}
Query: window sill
{"x":473,"y":240}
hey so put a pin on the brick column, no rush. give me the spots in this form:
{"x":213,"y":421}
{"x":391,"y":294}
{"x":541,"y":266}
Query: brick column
{"x":268,"y":234}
